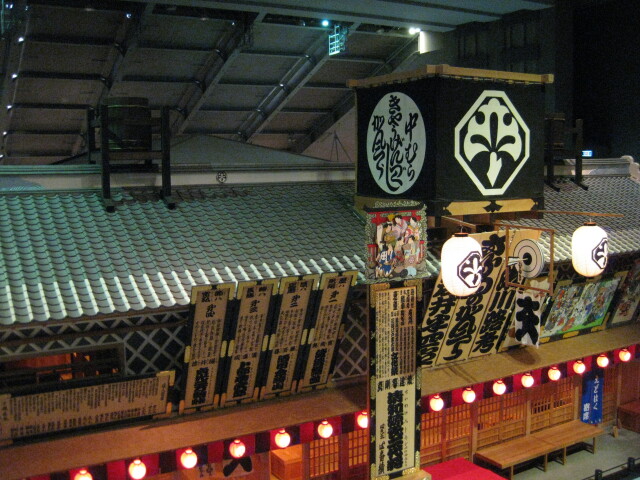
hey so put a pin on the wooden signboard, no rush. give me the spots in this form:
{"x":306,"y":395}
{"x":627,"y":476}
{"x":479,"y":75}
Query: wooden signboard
{"x":288,"y":333}
{"x":209,"y":314}
{"x":470,"y":311}
{"x":248,"y":338}
{"x":526,"y":323}
{"x":497,"y":313}
{"x":457,"y":328}
{"x":395,"y":382}
{"x":323,"y":338}
{"x":73,"y":408}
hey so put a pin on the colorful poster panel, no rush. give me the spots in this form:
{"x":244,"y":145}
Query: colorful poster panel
{"x":248,"y":338}
{"x":627,"y":309}
{"x":396,"y":242}
{"x":589,"y":305}
{"x":557,"y":321}
{"x":210,"y":312}
{"x":289,"y":331}
{"x":322,"y":342}
{"x":395,"y":384}
{"x":73,"y":408}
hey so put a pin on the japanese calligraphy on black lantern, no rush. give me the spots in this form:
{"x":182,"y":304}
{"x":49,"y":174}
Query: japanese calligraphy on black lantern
{"x":209,"y":310}
{"x":396,"y":143}
{"x":394,"y":381}
{"x":324,"y":339}
{"x":248,"y":339}
{"x":286,"y":339}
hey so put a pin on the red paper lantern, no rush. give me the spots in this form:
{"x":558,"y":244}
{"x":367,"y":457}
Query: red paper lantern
{"x":624,"y":355}
{"x":83,"y":474}
{"x":499,"y":387}
{"x":282,"y":438}
{"x":579,"y":367}
{"x":325,"y":430}
{"x":527,"y":380}
{"x":554,"y":374}
{"x":436,"y":403}
{"x":237,"y":449}
{"x":602,"y":360}
{"x":468,"y":395}
{"x":189,"y":458}
{"x":363,"y":419}
{"x":137,"y":469}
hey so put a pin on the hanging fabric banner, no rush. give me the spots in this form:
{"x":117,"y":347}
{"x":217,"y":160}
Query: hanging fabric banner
{"x":592,"y":390}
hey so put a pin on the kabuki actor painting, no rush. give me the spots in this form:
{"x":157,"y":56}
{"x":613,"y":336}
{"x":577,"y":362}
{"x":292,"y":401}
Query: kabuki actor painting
{"x":396,"y":242}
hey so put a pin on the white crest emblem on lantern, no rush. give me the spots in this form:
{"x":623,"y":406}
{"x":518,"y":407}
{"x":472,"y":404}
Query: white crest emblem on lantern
{"x":461,"y":265}
{"x":396,"y":143}
{"x":491,"y":142}
{"x":589,"y":250}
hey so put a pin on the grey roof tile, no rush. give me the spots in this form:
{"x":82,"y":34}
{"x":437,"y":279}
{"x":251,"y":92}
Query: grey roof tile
{"x":62,"y":255}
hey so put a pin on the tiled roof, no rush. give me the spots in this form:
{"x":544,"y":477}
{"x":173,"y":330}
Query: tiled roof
{"x":63,"y":256}
{"x":606,"y":194}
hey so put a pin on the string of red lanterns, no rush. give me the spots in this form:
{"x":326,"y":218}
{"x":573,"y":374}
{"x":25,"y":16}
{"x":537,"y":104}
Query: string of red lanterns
{"x":137,"y":469}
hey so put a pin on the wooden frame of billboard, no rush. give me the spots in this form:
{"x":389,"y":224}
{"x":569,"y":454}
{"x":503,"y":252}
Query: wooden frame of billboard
{"x":551,"y":233}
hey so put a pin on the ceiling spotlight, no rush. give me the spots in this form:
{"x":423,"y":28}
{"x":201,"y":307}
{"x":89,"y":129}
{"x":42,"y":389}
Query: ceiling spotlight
{"x":324,"y":23}
{"x":413,"y":30}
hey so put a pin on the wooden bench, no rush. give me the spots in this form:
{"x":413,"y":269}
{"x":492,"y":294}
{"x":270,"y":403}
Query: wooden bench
{"x":629,"y":416}
{"x":507,"y":455}
{"x":567,"y":434}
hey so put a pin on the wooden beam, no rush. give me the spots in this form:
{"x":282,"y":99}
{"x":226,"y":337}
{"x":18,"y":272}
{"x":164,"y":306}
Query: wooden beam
{"x":98,"y":447}
{"x":520,"y":360}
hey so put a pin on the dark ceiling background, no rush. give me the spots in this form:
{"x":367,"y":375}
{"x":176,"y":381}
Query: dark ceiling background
{"x":249,"y":70}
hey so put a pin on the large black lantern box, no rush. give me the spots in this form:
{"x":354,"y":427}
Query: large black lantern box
{"x":460,"y":140}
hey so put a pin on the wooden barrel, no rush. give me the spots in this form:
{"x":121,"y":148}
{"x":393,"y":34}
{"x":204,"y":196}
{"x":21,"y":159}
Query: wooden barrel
{"x":129,"y":123}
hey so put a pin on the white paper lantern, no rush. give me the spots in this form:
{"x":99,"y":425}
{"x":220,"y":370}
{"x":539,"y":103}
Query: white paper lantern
{"x":589,"y":250}
{"x":499,"y":387}
{"x":461,"y":265}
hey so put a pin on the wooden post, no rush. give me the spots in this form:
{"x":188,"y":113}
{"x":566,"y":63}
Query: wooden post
{"x":165,"y":136}
{"x":104,"y":153}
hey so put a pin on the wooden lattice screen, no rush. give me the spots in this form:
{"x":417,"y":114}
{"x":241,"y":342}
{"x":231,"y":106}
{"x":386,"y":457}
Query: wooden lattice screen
{"x":552,"y":403}
{"x":324,"y":457}
{"x":431,"y":434}
{"x":358,"y":446}
{"x":502,"y":418}
{"x":457,"y":432}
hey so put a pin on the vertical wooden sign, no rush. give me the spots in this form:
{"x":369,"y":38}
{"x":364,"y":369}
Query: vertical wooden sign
{"x":500,"y":301}
{"x":470,"y":310}
{"x":323,"y":337}
{"x":288,"y":333}
{"x":248,"y":341}
{"x":209,"y":314}
{"x":395,"y":382}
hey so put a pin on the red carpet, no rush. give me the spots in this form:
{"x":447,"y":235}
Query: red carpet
{"x":460,"y":469}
